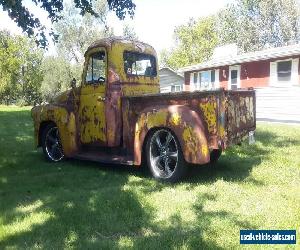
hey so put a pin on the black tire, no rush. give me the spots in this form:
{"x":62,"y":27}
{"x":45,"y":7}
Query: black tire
{"x":164,"y":156}
{"x":214,"y":156}
{"x":51,"y":144}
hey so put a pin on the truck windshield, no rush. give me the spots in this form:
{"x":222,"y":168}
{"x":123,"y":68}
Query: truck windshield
{"x":139,"y":64}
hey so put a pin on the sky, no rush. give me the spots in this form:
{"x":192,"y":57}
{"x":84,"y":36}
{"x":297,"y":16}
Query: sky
{"x":154,"y":20}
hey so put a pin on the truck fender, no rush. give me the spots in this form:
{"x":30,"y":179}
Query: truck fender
{"x":65,"y":121}
{"x":186,"y":124}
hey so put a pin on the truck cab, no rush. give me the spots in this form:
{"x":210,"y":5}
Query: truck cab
{"x":117,"y":115}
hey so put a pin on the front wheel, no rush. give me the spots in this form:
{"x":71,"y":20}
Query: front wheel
{"x":51,"y":143}
{"x":164,"y":156}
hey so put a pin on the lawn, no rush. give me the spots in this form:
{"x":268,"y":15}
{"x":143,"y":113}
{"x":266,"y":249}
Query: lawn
{"x":86,"y":205}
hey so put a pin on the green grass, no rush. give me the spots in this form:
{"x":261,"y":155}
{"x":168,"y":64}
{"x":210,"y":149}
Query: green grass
{"x":85,"y":205}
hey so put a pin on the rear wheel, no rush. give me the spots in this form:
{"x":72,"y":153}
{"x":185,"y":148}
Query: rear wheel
{"x":164,"y":156}
{"x":51,"y":143}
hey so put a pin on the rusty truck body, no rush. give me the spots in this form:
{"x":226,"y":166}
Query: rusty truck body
{"x":117,"y":115}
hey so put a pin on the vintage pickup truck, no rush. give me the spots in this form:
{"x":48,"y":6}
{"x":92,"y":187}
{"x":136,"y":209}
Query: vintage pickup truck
{"x":117,"y":115}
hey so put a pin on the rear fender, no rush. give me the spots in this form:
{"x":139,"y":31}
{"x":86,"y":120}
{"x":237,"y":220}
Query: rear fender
{"x":64,"y":120}
{"x":185,"y":123}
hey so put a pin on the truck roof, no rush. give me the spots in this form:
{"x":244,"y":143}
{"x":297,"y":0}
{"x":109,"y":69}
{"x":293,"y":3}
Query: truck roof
{"x":109,"y":41}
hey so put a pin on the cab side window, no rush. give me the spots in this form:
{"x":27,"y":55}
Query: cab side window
{"x":96,"y":70}
{"x":139,"y":64}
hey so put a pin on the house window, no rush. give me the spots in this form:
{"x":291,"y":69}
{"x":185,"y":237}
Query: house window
{"x":176,"y":88}
{"x":205,"y":80}
{"x":234,"y":79}
{"x":284,"y":71}
{"x":195,"y":77}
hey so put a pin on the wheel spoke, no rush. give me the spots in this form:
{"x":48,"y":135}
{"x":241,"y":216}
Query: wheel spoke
{"x":167,"y":167}
{"x":53,"y":150}
{"x":173,"y":155}
{"x":158,"y":142}
{"x":168,"y":139}
{"x":156,"y":160}
{"x":52,"y":139}
{"x":56,"y":152}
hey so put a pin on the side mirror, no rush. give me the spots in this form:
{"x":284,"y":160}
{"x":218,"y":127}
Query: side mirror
{"x":73,"y":83}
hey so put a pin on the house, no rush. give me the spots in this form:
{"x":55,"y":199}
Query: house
{"x":170,"y":81}
{"x":278,"y":67}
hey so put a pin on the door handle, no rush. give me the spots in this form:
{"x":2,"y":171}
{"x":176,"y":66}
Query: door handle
{"x":101,"y":98}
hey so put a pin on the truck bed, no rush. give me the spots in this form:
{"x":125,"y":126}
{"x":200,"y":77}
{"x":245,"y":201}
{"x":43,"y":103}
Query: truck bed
{"x":226,"y":116}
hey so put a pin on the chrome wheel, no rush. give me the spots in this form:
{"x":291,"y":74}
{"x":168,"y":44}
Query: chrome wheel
{"x":163,"y":153}
{"x":53,"y":145}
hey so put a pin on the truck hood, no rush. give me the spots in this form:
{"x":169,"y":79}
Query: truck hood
{"x":61,"y":98}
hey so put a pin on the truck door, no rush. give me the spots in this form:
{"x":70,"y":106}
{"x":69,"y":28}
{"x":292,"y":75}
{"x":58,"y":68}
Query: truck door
{"x":92,"y":120}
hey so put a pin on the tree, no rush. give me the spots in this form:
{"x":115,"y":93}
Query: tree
{"x":57,"y":75}
{"x":194,"y":43}
{"x":129,"y":32}
{"x":77,"y":32}
{"x":257,"y":24}
{"x":33,"y":27}
{"x":7,"y":66}
{"x":20,"y":72}
{"x":31,"y":73}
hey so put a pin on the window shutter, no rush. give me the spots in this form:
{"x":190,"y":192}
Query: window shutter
{"x":273,"y":73}
{"x":191,"y":81}
{"x":295,"y":74}
{"x":217,"y":79}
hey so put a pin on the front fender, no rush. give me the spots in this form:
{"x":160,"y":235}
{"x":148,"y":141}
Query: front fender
{"x":65,"y":121}
{"x":185,"y":123}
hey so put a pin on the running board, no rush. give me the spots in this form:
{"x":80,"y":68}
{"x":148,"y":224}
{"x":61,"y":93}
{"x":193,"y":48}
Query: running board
{"x":104,"y":157}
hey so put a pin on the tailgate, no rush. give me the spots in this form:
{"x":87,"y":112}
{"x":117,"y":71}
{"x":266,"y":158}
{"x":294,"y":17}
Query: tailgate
{"x":241,"y":114}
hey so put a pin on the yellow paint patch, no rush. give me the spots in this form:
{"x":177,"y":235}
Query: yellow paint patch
{"x":175,"y":119}
{"x":139,"y":89}
{"x":204,"y":150}
{"x":187,"y":134}
{"x":209,"y":110}
{"x":156,"y":119}
{"x":221,"y":131}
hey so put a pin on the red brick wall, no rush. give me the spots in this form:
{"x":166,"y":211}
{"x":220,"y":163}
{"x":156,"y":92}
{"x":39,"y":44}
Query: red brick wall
{"x":223,"y":76}
{"x":255,"y":74}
